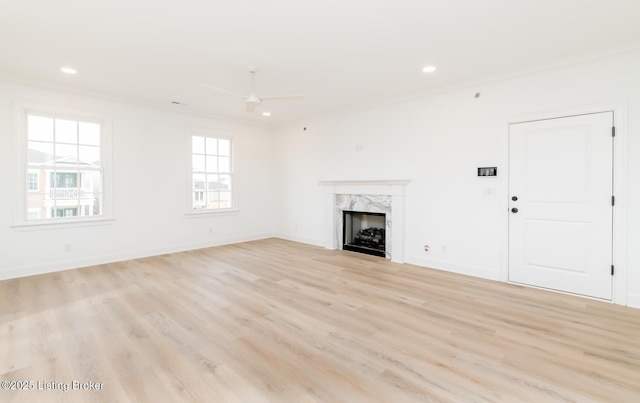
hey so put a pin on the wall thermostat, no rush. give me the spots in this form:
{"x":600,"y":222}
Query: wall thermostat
{"x":488,"y":171}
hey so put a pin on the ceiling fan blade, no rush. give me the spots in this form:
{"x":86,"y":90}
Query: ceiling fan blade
{"x":281,"y":97}
{"x":221,"y":90}
{"x":252,"y":100}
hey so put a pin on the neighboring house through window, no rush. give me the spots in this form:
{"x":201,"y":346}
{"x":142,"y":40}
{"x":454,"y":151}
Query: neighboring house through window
{"x":211,"y":173}
{"x":64,"y":167}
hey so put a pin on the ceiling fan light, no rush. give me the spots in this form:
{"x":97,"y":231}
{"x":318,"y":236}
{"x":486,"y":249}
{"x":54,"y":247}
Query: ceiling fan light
{"x":68,"y":70}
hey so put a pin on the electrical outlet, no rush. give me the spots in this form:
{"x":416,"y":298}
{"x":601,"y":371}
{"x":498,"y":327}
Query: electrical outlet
{"x":67,"y":247}
{"x":426,"y":248}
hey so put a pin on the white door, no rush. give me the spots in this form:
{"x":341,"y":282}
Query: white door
{"x":560,"y":202}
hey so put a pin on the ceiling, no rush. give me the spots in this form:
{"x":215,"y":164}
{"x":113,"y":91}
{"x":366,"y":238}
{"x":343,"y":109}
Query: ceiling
{"x":341,"y":54}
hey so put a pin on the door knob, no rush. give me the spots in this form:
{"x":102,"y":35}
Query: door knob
{"x":514,"y":210}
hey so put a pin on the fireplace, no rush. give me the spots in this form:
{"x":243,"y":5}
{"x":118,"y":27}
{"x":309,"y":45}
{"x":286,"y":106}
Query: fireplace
{"x":370,"y":196}
{"x":364,"y":232}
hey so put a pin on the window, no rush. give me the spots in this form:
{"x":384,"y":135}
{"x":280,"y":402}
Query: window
{"x":64,"y":167}
{"x":64,"y":212}
{"x":32,"y":181}
{"x":211,"y":176}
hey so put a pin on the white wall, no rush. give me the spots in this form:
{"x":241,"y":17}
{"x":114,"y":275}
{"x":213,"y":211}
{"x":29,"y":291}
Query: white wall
{"x":151,"y":161}
{"x":438,"y":142}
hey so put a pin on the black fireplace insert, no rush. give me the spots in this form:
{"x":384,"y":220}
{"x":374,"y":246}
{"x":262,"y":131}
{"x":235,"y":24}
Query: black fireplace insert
{"x":364,"y":232}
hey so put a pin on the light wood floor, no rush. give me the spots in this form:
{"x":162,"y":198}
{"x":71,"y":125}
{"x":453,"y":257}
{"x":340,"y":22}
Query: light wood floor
{"x":277,"y":321}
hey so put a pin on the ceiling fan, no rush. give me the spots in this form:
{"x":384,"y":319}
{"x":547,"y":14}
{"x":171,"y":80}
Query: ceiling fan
{"x":252,"y":100}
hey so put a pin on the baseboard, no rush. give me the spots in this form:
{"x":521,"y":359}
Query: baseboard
{"x":295,"y":238}
{"x":633,"y":300}
{"x":454,"y":268}
{"x":34,"y":270}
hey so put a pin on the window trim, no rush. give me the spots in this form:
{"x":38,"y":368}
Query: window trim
{"x":21,"y":111}
{"x":234,"y":186}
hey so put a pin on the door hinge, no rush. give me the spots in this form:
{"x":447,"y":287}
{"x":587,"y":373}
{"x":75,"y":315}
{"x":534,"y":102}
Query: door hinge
{"x":613,"y":200}
{"x":612,"y":270}
{"x":613,"y":131}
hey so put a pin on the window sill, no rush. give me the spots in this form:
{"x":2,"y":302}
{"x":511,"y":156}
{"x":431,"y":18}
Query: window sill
{"x":44,"y":225}
{"x":204,"y":212}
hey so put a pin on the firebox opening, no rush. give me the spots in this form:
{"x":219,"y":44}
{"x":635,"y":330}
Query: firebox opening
{"x":364,"y":232}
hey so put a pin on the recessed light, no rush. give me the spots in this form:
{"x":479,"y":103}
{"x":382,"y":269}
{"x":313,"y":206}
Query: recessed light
{"x":68,"y":70}
{"x":266,"y":113}
{"x":429,"y":69}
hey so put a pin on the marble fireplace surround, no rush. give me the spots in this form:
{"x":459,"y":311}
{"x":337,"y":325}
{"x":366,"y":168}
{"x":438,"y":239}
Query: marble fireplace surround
{"x":377,"y":196}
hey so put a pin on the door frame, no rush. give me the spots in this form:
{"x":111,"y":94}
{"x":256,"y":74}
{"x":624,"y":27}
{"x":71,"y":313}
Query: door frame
{"x":619,"y":294}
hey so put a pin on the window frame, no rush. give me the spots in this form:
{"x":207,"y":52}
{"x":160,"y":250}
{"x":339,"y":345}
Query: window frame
{"x":21,"y":211}
{"x":196,"y":132}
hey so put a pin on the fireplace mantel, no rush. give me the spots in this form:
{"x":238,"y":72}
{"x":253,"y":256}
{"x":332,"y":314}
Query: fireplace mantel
{"x":369,"y":187}
{"x":394,"y":189}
